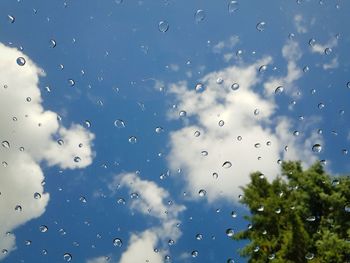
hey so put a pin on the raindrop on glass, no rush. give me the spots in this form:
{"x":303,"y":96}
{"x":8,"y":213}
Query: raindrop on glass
{"x":5,"y":144}
{"x":53,"y":43}
{"x":163,"y":26}
{"x":117,"y":242}
{"x":202,"y":193}
{"x":194,"y":253}
{"x":43,"y":228}
{"x":235,"y":86}
{"x":261,"y":26}
{"x":221,"y":123}
{"x":132,"y":139}
{"x":37,"y":195}
{"x":67,"y":257}
{"x":230,"y":232}
{"x":316,"y":148}
{"x":11,"y":19}
{"x":182,"y":113}
{"x":279,"y":90}
{"x":21,"y":61}
{"x":119,"y":123}
{"x":232,"y":6}
{"x":71,"y":82}
{"x":199,"y":16}
{"x":227,"y":164}
{"x":77,"y":159}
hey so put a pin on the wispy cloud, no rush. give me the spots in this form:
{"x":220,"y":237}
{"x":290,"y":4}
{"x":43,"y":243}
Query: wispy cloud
{"x":320,"y":48}
{"x":300,"y":24}
{"x":226,"y":45}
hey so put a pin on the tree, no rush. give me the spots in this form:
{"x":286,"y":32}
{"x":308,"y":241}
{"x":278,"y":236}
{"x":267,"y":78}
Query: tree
{"x":301,"y":216}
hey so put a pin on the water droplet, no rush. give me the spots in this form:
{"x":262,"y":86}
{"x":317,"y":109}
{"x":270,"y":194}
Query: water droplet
{"x":227,"y":164}
{"x":348,"y":85}
{"x":271,"y":256}
{"x":171,"y":242}
{"x":11,"y":19}
{"x":121,"y":201}
{"x":18,"y":208}
{"x":182,"y":113}
{"x":199,"y":236}
{"x":5,"y":144}
{"x":204,"y":153}
{"x":256,"y":112}
{"x":134,"y":195}
{"x":260,"y":208}
{"x":4,"y":251}
{"x":199,"y":16}
{"x":219,"y":81}
{"x":194,"y":253}
{"x":311,"y":219}
{"x":119,"y":123}
{"x":215,"y":175}
{"x":233,"y":214}
{"x":221,"y":123}
{"x":256,"y":249}
{"x":71,"y":82}
{"x":117,"y":242}
{"x":87,"y":123}
{"x":306,"y":69}
{"x":239,"y":138}
{"x":261,"y":26}
{"x":316,"y":148}
{"x":77,"y":159}
{"x":235,"y":86}
{"x":230,"y":260}
{"x":132,"y":139}
{"x":43,"y":228}
{"x":347,"y":208}
{"x":82,"y":199}
{"x":279,"y":90}
{"x":230,"y":232}
{"x":67,"y":257}
{"x":53,"y":43}
{"x":159,"y":130}
{"x":60,"y":142}
{"x":197,"y":133}
{"x":163,"y":26}
{"x":37,"y":195}
{"x":328,"y":51}
{"x":262,"y":68}
{"x":312,"y":42}
{"x":232,"y":6}
{"x":199,"y":87}
{"x":202,"y":193}
{"x":309,"y":256}
{"x":21,"y":61}
{"x":28,"y":242}
{"x":320,"y":106}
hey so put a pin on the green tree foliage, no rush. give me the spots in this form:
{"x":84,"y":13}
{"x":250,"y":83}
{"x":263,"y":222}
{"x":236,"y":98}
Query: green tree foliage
{"x":301,"y":216}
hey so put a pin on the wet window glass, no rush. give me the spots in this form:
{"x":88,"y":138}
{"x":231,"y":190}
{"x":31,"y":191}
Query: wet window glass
{"x":174,"y":131}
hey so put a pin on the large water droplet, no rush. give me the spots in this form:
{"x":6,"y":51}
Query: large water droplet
{"x":43,"y":228}
{"x":235,"y":86}
{"x":309,"y":256}
{"x":182,"y":113}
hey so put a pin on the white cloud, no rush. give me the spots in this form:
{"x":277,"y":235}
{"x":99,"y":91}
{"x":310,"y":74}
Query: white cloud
{"x":30,"y":131}
{"x":331,"y":65}
{"x":102,"y":259}
{"x":263,"y":136}
{"x":227,"y":44}
{"x":300,"y":24}
{"x":151,"y":200}
{"x":319,"y":48}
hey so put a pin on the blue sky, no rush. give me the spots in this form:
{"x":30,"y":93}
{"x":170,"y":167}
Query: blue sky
{"x":125,"y":69}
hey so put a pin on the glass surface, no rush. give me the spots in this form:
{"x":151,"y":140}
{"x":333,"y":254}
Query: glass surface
{"x":127,"y":128}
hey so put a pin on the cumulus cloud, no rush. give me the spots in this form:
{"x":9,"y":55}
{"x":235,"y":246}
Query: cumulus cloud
{"x":29,"y":136}
{"x":332,"y":64}
{"x":105,"y":259}
{"x":300,"y":24}
{"x":240,"y":130}
{"x":226,"y":45}
{"x":151,"y":200}
{"x":320,"y":48}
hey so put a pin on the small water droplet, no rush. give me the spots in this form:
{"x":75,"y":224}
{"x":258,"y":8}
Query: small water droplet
{"x":21,"y":61}
{"x":256,"y":112}
{"x":67,"y":257}
{"x":239,"y":138}
{"x":182,"y":113}
{"x":328,"y":51}
{"x":132,"y":139}
{"x":194,"y":253}
{"x":5,"y":144}
{"x":28,"y":242}
{"x":227,"y":164}
{"x":117,"y":242}
{"x":199,"y":87}
{"x":232,"y":6}
{"x":219,"y":81}
{"x":311,"y":219}
{"x":320,"y":106}
{"x":312,"y":42}
{"x":199,"y":236}
{"x":11,"y":19}
{"x":230,"y":232}
{"x":261,"y":26}
{"x":279,"y":90}
{"x":43,"y":228}
{"x":159,"y":130}
{"x":235,"y":86}
{"x":53,"y":43}
{"x":163,"y":26}
{"x":202,"y":193}
{"x":197,"y":133}
{"x":309,"y":256}
{"x":215,"y":175}
{"x":221,"y":123}
{"x":119,"y":123}
{"x":77,"y":159}
{"x":199,"y":16}
{"x":204,"y":153}
{"x":71,"y":82}
{"x":347,"y":208}
{"x":37,"y":195}
{"x":262,"y":68}
{"x":18,"y":208}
